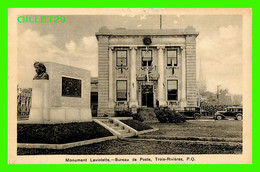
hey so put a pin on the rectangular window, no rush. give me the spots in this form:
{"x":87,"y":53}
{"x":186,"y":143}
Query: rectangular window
{"x":147,"y":58}
{"x":121,"y":90}
{"x":172,"y":58}
{"x":121,"y":58}
{"x":172,"y":90}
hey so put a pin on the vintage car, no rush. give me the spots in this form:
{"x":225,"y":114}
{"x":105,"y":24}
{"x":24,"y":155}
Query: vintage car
{"x":234,"y":112}
{"x":191,"y":112}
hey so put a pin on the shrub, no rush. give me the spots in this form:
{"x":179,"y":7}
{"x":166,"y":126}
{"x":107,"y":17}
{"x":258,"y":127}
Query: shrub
{"x":147,"y":114}
{"x":125,"y":113}
{"x":161,"y":114}
{"x":138,"y":117}
{"x":105,"y":115}
{"x":165,"y":115}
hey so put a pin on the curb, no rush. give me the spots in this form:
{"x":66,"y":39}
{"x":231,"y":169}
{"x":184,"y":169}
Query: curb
{"x":63,"y":146}
{"x":212,"y":139}
{"x":192,"y":142}
{"x":147,"y":131}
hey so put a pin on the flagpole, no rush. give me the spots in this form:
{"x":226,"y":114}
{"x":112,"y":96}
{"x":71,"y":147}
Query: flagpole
{"x":160,"y":21}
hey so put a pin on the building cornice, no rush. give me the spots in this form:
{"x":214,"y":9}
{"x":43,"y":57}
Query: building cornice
{"x":189,"y":31}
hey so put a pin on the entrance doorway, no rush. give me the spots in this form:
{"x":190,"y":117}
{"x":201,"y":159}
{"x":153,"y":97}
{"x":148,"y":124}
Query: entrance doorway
{"x":147,"y":95}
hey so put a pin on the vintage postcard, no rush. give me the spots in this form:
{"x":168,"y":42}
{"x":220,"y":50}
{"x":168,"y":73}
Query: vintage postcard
{"x":130,"y":86}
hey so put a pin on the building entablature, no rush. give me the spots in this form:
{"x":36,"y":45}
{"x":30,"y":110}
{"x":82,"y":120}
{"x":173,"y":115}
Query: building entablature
{"x":122,"y":32}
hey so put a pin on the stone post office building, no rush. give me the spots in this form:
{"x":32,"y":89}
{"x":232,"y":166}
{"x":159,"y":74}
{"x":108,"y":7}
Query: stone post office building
{"x":146,"y":68}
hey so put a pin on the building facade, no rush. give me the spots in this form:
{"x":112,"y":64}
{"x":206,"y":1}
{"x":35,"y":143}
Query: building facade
{"x":146,"y":68}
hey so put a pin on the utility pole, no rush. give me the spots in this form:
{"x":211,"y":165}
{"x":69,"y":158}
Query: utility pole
{"x":218,"y":93}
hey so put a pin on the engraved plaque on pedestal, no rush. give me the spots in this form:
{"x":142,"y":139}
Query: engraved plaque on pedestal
{"x":71,"y":87}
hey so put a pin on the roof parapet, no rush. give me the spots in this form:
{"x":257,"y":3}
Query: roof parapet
{"x":104,"y":31}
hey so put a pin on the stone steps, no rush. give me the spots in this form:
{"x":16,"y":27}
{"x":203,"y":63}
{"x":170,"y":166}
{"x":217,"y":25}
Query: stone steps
{"x":120,"y":129}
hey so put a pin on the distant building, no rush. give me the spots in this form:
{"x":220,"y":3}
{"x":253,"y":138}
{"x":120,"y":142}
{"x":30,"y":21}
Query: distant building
{"x":146,"y":68}
{"x":24,"y":98}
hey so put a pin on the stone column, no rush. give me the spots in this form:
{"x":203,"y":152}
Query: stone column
{"x":111,"y":102}
{"x":183,"y":78}
{"x":133,"y":97}
{"x":161,"y":84}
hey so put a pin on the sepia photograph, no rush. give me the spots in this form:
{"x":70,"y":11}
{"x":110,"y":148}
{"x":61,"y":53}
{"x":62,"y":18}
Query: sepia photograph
{"x":130,"y":86}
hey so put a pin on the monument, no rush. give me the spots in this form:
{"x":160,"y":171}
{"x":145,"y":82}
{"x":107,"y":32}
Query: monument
{"x":60,"y":93}
{"x":40,"y":71}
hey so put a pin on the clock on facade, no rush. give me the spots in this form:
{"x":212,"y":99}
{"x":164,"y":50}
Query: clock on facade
{"x":147,"y":41}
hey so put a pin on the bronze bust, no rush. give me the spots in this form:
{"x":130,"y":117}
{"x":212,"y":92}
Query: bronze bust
{"x":40,"y":71}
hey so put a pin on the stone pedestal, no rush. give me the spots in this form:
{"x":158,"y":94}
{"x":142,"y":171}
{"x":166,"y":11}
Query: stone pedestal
{"x":73,"y":114}
{"x":40,"y":101}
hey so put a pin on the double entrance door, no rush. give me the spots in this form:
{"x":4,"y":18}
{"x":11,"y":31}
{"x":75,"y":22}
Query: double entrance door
{"x":147,"y":96}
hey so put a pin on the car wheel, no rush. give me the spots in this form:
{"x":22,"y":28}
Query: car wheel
{"x":239,"y":117}
{"x":196,"y":116}
{"x":219,"y":117}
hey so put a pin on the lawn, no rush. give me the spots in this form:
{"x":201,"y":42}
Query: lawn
{"x":137,"y":125}
{"x":139,"y":147}
{"x":194,"y":128}
{"x":60,"y":133}
{"x":191,"y":128}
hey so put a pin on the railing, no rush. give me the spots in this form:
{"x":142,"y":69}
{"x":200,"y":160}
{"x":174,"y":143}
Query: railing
{"x":172,"y":103}
{"x":124,"y":105}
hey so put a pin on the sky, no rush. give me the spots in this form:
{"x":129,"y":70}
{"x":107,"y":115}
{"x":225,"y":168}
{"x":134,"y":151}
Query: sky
{"x":219,"y":44}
